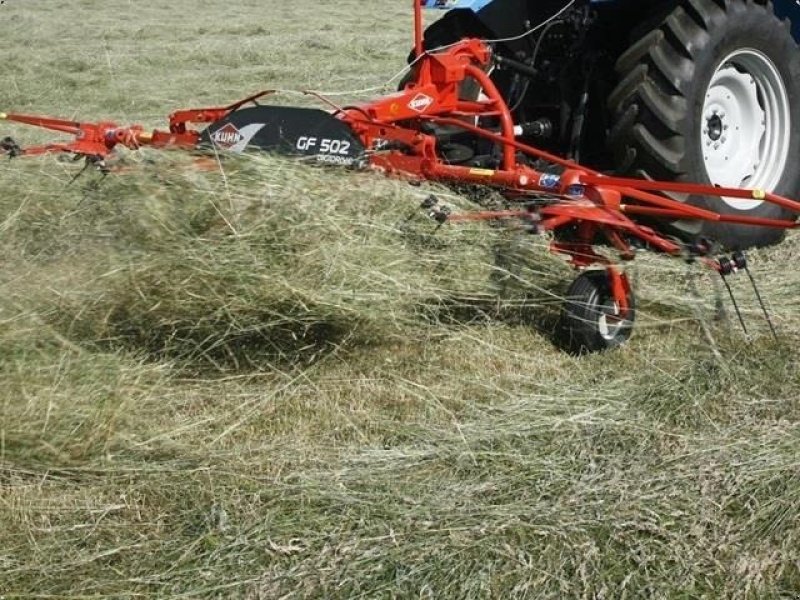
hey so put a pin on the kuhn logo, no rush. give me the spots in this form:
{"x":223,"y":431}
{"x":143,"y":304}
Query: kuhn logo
{"x":227,"y":136}
{"x":420,"y":103}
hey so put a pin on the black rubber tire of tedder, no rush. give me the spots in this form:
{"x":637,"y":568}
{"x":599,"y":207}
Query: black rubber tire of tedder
{"x":585,"y":325}
{"x":657,"y":107}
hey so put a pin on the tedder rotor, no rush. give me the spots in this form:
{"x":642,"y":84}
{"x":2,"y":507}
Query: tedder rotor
{"x":428,"y":130}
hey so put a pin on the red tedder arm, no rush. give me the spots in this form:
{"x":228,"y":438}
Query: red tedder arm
{"x":90,"y":139}
{"x":99,"y":139}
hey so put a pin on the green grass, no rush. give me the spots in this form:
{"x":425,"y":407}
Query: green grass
{"x":268,"y":381}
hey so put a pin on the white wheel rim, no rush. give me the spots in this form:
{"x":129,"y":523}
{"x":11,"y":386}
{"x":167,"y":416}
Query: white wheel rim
{"x":745,"y":125}
{"x":609,"y":324}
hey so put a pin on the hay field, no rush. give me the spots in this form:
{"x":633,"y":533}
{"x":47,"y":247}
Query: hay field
{"x":275,"y":381}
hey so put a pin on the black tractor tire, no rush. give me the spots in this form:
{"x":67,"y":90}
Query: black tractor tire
{"x":662,"y":122}
{"x":590,"y":320}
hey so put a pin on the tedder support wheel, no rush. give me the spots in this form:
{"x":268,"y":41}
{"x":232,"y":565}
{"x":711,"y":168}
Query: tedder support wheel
{"x":711,"y":93}
{"x":591,"y":321}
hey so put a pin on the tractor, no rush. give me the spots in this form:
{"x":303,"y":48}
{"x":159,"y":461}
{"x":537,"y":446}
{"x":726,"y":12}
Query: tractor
{"x":706,"y":91}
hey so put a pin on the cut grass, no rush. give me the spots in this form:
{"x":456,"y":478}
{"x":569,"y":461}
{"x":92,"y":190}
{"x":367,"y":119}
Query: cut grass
{"x":281,"y":382}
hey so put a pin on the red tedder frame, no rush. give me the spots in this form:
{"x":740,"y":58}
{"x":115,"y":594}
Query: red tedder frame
{"x":585,"y":202}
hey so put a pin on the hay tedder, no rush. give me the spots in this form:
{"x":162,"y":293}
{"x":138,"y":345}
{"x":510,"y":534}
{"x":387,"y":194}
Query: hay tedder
{"x":513,"y":105}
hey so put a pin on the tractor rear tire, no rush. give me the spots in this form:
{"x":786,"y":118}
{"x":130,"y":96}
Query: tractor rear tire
{"x":711,"y":94}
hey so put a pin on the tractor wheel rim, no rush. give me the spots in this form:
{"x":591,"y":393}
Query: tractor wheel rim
{"x":745,"y":125}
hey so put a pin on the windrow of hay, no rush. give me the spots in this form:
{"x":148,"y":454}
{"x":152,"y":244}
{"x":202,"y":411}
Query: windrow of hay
{"x":265,"y":258}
